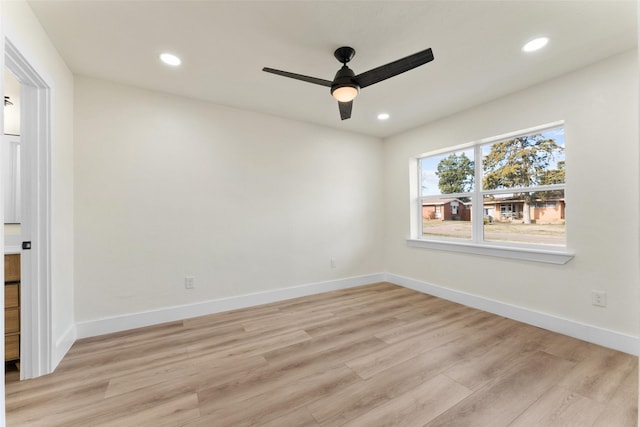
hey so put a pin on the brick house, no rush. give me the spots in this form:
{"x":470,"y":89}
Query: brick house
{"x":547,"y":211}
{"x":447,"y":210}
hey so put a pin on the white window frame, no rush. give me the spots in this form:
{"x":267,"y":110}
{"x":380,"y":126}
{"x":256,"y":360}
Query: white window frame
{"x":477,"y":244}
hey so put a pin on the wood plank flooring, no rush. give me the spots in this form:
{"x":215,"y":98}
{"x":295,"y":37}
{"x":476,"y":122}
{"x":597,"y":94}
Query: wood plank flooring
{"x":377,"y":355}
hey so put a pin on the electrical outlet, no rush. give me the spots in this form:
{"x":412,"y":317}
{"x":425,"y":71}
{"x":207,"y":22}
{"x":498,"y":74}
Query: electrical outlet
{"x":599,"y":298}
{"x":189,"y":282}
{"x":332,"y":263}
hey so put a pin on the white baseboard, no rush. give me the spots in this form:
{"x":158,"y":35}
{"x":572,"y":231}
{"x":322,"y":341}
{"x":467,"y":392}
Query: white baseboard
{"x":170,"y":314}
{"x":607,"y":338}
{"x":62,"y":346}
{"x":604,"y":337}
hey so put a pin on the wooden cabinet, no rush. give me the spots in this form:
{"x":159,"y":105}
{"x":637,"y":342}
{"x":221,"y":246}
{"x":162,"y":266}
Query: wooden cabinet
{"x":11,"y":307}
{"x":11,"y":268}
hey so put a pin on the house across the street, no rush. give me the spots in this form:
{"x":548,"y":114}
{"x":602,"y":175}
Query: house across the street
{"x":502,"y":210}
{"x":447,"y":210}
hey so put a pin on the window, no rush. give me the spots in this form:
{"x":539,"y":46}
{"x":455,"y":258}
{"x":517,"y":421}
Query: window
{"x":507,"y":191}
{"x":446,"y":186}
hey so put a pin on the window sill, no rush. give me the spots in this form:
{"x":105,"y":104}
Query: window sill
{"x":536,"y":255}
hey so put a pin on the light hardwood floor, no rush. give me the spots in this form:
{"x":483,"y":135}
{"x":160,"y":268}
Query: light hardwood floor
{"x":369,"y":356}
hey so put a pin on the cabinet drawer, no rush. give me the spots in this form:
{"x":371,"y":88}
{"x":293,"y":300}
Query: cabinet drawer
{"x":11,"y":347}
{"x":11,"y":320}
{"x":11,"y":296}
{"x":12,"y":268}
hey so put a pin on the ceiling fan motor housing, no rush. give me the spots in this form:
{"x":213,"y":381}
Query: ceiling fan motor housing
{"x":344,"y":77}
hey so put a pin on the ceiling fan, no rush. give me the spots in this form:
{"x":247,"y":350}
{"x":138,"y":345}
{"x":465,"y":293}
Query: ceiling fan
{"x":346,"y":84}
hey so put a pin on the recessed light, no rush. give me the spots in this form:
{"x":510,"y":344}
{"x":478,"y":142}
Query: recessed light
{"x":383,"y":116}
{"x":170,"y":59}
{"x":535,"y":44}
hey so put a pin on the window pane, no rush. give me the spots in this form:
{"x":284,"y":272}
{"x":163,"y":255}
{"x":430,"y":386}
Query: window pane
{"x":446,"y":218}
{"x":525,"y":161}
{"x":535,"y":218}
{"x":447,"y":173}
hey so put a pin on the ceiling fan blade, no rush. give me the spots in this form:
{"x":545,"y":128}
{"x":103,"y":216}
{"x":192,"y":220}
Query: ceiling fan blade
{"x":394,"y":68}
{"x":345,"y":109}
{"x":308,"y":79}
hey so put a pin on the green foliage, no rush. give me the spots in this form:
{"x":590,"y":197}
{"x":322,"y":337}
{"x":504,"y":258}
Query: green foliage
{"x":522,"y":162}
{"x":553,"y":176}
{"x":455,"y":173}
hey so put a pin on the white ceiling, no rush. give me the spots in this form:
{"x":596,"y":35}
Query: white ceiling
{"x":225,"y":44}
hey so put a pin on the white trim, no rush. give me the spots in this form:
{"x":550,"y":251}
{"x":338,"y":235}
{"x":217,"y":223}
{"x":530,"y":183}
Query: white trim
{"x":477,"y":244}
{"x":535,"y":188}
{"x":36,"y":94}
{"x":180,"y":312}
{"x":521,"y":253}
{"x":601,"y":336}
{"x":63,"y":345}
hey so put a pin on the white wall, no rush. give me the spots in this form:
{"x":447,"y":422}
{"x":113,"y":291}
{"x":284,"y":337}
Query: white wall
{"x":168,"y":187}
{"x":600,"y":107}
{"x":23,"y":29}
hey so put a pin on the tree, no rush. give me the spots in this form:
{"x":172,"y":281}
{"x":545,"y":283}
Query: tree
{"x":455,"y":174}
{"x":553,"y":176}
{"x":523,"y":162}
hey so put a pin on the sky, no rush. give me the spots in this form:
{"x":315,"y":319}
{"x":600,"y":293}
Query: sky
{"x":428,"y":165}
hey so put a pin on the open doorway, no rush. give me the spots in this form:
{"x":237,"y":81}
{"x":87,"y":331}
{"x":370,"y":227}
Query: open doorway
{"x":31,"y":238}
{"x":12,"y":195}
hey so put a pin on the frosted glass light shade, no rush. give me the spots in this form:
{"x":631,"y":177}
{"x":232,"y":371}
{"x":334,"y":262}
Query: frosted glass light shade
{"x":345,"y":93}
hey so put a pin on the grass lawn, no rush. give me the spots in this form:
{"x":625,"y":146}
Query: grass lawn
{"x":547,"y":234}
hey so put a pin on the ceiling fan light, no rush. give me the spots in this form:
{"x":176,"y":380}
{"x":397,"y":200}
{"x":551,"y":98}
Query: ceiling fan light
{"x":345,"y":93}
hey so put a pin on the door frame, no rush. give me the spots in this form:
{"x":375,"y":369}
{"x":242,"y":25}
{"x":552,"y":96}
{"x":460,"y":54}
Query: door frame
{"x":36,"y":137}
